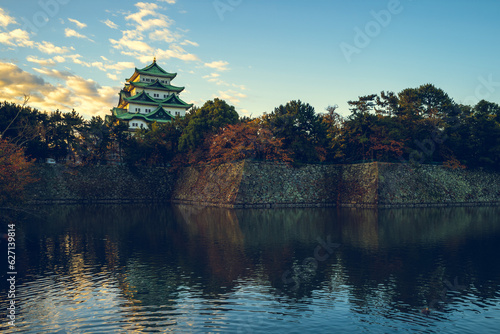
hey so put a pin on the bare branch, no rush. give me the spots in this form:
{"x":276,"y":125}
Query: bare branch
{"x":26,"y":99}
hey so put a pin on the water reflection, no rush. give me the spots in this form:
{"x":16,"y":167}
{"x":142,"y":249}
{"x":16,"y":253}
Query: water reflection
{"x":182,"y":268}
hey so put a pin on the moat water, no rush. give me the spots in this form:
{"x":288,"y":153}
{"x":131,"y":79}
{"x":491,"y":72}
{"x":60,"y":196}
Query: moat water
{"x":181,"y":269}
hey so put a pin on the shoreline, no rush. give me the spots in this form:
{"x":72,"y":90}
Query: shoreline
{"x":263,"y":185}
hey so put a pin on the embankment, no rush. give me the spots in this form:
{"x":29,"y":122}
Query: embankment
{"x":100,"y":184}
{"x":259,"y":184}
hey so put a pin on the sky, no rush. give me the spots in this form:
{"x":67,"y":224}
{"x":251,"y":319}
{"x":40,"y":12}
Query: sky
{"x":255,"y":54}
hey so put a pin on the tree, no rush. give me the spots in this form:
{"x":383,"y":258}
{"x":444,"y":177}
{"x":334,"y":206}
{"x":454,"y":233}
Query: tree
{"x":118,"y":132}
{"x":15,"y":173}
{"x":333,"y":124}
{"x":249,"y":140}
{"x":301,"y":130}
{"x":207,"y":120}
{"x":95,"y":141}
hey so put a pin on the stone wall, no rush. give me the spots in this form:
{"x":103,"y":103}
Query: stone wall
{"x":209,"y":185}
{"x":97,"y":184}
{"x":427,"y":185}
{"x":260,"y":184}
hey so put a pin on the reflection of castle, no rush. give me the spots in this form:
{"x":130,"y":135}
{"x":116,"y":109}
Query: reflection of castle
{"x":149,"y":97}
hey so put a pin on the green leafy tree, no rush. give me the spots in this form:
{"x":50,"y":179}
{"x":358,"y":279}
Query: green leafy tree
{"x":204,"y":121}
{"x":333,"y":124}
{"x":95,"y":141}
{"x":301,"y":130}
{"x":119,"y":135}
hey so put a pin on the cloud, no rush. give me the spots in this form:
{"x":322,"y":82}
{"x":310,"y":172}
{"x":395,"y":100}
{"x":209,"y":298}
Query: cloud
{"x":72,"y":33}
{"x":112,"y":76}
{"x":49,"y":48}
{"x":99,"y":65}
{"x":241,"y":87}
{"x":145,"y":10}
{"x":76,"y":59}
{"x":120,"y":66}
{"x":231,"y":96}
{"x":170,"y":2}
{"x":84,"y":95}
{"x":78,"y":23}
{"x":59,"y":59}
{"x":5,"y":19}
{"x":53,"y":73}
{"x":218,"y":65}
{"x":164,"y":35}
{"x":215,"y":78}
{"x":188,"y":42}
{"x":149,"y":25}
{"x":110,"y":24}
{"x":176,"y":51}
{"x":42,"y":62}
{"x":212,"y":76}
{"x":83,"y":87}
{"x":16,"y":37}
{"x":116,"y":67}
{"x":131,"y":40}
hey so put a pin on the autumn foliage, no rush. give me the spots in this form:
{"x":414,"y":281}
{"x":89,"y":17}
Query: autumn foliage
{"x":14,"y":172}
{"x":422,"y":125}
{"x":246,"y":141}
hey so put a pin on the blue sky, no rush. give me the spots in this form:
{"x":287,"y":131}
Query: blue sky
{"x":254,"y":54}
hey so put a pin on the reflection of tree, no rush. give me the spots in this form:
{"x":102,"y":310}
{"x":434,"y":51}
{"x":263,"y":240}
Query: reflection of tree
{"x":396,"y":260}
{"x":215,"y":241}
{"x":360,"y":228}
{"x":420,"y":252}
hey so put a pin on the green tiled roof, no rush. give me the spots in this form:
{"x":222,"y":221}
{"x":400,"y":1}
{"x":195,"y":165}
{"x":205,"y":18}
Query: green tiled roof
{"x":157,"y":85}
{"x":171,"y":101}
{"x":158,"y":115}
{"x":174,"y":100}
{"x":155,"y":70}
{"x":119,"y":111}
{"x":142,"y":98}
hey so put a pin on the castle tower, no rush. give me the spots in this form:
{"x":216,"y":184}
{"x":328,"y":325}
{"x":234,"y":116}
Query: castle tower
{"x":148,"y":97}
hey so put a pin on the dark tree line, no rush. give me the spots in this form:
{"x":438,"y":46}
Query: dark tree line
{"x":416,"y":125}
